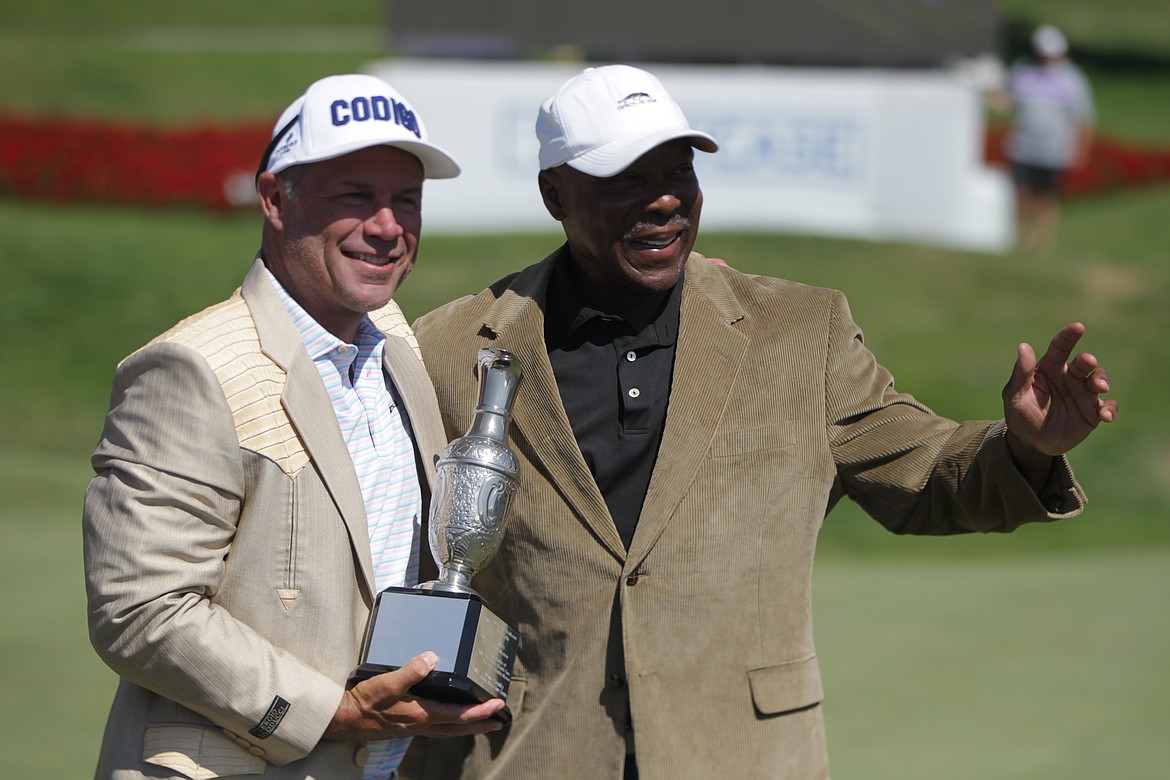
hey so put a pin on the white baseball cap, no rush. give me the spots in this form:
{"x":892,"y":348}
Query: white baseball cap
{"x":603,"y":119}
{"x":342,"y":114}
{"x":1048,"y":41}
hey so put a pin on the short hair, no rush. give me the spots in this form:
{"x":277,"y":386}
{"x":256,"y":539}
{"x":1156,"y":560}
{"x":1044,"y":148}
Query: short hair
{"x":290,"y":179}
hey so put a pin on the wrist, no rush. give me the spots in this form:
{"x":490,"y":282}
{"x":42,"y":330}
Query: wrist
{"x":342,"y":727}
{"x":1033,"y":464}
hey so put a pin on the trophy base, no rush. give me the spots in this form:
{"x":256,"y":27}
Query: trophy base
{"x":476,"y":648}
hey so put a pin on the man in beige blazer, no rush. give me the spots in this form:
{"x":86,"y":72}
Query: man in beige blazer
{"x":682,"y":431}
{"x":228,"y":558}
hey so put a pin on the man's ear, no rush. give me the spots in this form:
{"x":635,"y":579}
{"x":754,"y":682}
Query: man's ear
{"x":272,"y":199}
{"x":550,"y":191}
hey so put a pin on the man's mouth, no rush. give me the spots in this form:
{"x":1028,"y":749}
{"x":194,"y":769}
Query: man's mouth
{"x":660,"y":242}
{"x":657,"y":239}
{"x":371,"y":259}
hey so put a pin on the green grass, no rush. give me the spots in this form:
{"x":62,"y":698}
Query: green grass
{"x":1134,"y":25}
{"x":1041,"y":654}
{"x":946,"y":323}
{"x":54,"y":691}
{"x":1036,"y":668}
{"x":1034,"y":655}
{"x":105,"y":15}
{"x":100,"y":75}
{"x":226,"y":61}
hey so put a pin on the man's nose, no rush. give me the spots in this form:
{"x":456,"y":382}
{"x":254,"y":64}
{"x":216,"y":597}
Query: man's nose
{"x":666,"y":203}
{"x":384,"y":224}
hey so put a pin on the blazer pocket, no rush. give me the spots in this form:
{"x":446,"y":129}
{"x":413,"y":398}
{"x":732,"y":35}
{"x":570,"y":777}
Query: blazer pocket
{"x":728,"y":444}
{"x":785,"y":687}
{"x":198,"y":752}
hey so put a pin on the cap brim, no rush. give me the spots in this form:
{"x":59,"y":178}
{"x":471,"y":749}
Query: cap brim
{"x":614,"y":157}
{"x":437,"y":163}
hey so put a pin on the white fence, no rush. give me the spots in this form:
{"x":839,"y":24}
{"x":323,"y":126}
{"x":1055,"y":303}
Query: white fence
{"x":861,"y":153}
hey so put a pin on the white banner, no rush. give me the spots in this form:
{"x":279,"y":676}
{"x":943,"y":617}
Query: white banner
{"x":860,"y":153}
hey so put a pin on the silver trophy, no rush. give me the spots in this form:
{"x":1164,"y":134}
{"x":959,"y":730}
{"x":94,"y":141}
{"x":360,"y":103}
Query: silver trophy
{"x":475,"y":479}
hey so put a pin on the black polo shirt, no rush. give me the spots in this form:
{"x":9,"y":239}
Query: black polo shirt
{"x":614,"y":382}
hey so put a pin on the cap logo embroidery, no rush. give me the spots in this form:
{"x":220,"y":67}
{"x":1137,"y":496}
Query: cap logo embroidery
{"x":288,"y":143}
{"x":634,"y":99}
{"x":378,"y":108}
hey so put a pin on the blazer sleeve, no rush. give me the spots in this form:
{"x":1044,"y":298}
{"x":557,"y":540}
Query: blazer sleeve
{"x":158,"y":524}
{"x":916,"y":472}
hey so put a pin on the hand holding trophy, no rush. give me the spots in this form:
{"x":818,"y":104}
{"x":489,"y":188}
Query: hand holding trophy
{"x":476,"y":477}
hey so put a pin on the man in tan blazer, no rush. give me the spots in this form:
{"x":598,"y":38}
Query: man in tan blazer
{"x":228,"y":552}
{"x":682,"y":431}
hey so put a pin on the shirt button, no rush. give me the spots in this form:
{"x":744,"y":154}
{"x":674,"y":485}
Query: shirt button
{"x":634,"y":392}
{"x":615,"y":680}
{"x":631,"y":356}
{"x":361,"y":756}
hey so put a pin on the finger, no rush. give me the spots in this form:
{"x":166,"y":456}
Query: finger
{"x":1108,"y":411}
{"x":1100,"y":380}
{"x":1083,"y":366}
{"x":416,"y":669}
{"x":484,"y":710}
{"x":1062,"y":344}
{"x":441,"y":713}
{"x":462,"y":729}
{"x":1095,"y":378}
{"x":1023,"y":369}
{"x":393,"y":686}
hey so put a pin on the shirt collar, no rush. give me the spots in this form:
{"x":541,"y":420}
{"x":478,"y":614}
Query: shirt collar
{"x":567,"y":315}
{"x":320,"y":343}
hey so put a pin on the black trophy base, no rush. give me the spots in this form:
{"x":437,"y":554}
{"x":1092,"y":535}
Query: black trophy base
{"x":476,"y":648}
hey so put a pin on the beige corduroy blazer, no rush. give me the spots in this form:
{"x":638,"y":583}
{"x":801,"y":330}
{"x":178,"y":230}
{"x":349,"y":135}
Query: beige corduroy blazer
{"x":226,"y":550}
{"x":698,"y":639}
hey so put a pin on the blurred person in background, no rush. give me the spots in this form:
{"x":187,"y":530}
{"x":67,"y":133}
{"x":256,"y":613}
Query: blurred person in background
{"x":683,"y":429}
{"x":1051,"y":132}
{"x":264,"y":470}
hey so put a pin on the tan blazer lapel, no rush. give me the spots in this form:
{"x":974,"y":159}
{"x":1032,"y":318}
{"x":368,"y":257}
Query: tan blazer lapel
{"x":539,"y":422}
{"x":307,"y":404}
{"x":707,"y":359}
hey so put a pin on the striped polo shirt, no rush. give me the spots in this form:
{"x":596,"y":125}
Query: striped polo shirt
{"x":379,"y":442}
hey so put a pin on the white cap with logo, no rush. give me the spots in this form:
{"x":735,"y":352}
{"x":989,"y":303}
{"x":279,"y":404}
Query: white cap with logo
{"x":602,"y":120}
{"x":342,"y":114}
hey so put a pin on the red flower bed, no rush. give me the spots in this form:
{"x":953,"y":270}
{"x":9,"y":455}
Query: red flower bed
{"x":1112,"y":165}
{"x":80,"y":160}
{"x":70,"y":160}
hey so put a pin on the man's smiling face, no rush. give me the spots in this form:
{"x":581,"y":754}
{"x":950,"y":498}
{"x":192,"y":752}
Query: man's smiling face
{"x":348,"y":234}
{"x":629,"y":234}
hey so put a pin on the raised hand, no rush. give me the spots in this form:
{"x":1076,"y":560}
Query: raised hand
{"x":1051,"y":405}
